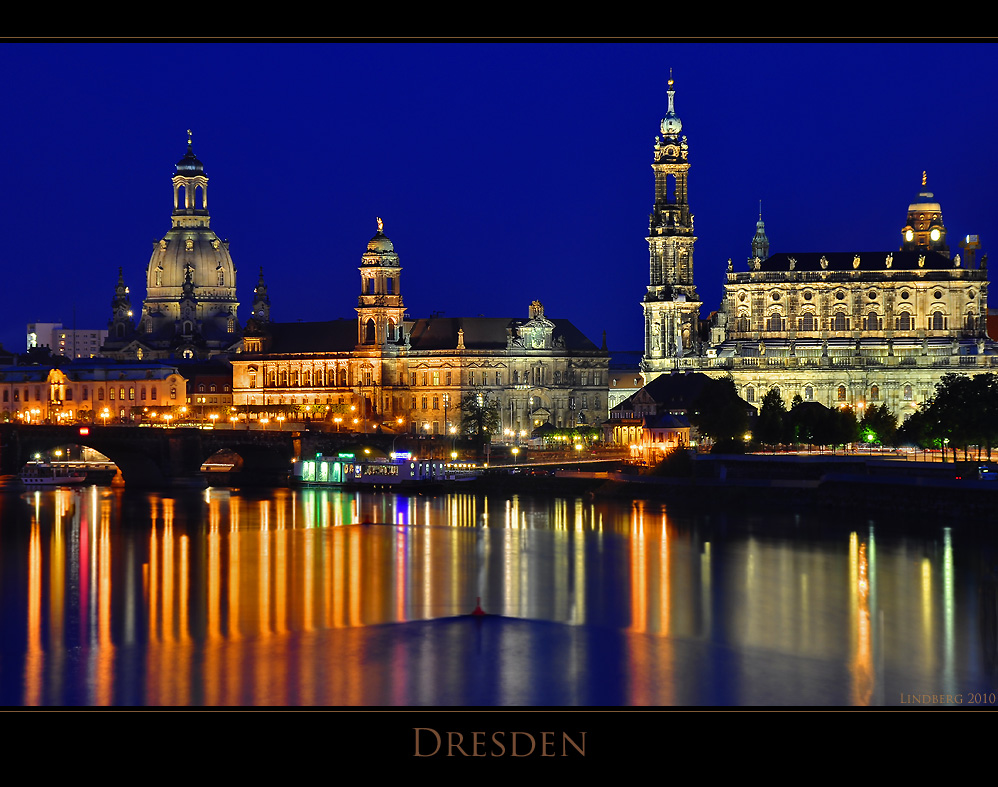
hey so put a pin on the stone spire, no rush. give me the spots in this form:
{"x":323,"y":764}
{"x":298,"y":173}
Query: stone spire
{"x":261,"y":300}
{"x":122,"y":323}
{"x":760,"y":243}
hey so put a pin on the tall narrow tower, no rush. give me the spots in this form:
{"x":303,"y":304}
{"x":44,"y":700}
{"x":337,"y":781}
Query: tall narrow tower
{"x":671,"y":306}
{"x":379,"y":307}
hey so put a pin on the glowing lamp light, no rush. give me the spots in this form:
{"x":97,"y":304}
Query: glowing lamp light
{"x":84,"y":431}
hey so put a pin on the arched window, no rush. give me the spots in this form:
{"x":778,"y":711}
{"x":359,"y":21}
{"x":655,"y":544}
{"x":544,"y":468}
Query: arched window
{"x":938,"y":323}
{"x":775,"y":323}
{"x":369,"y":331}
{"x":903,"y":322}
{"x":839,"y":322}
{"x":807,"y":322}
{"x":875,"y":393}
{"x":343,"y":377}
{"x":808,"y":393}
{"x":221,"y":278}
{"x":841,"y":393}
{"x":392,"y":335}
{"x":873,"y":322}
{"x":907,"y":393}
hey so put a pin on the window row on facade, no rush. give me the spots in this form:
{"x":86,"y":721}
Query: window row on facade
{"x":843,"y":321}
{"x":841,"y":391}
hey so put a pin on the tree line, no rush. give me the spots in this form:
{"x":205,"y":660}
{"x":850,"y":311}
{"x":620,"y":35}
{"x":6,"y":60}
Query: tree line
{"x":962,"y":414}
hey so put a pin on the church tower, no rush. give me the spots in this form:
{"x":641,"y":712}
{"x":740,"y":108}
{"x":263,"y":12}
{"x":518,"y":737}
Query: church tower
{"x":121,"y":324}
{"x":261,"y":301}
{"x":760,"y":243}
{"x":671,"y":306}
{"x":925,"y":230}
{"x":379,"y":307}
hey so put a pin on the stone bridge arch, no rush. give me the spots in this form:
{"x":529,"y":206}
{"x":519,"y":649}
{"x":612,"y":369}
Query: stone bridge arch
{"x":156,"y":457}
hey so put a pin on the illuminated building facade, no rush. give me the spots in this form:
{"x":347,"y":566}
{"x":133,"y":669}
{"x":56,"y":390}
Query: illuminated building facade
{"x":84,"y":390}
{"x":385,"y":371}
{"x":190,"y":306}
{"x":853,"y":329}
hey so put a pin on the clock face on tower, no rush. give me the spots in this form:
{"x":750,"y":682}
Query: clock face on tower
{"x":909,"y":236}
{"x":934,"y":234}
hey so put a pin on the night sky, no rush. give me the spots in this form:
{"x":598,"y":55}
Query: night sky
{"x":504,"y":172}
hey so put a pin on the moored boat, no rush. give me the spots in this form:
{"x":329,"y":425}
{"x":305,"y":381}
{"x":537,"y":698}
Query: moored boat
{"x":347,"y":470}
{"x":45,"y":474}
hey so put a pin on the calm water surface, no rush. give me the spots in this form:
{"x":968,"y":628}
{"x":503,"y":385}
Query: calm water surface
{"x":324,"y":597}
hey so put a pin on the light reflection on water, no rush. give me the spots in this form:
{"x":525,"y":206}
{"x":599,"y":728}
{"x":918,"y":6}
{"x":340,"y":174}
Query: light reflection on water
{"x":219,"y":598}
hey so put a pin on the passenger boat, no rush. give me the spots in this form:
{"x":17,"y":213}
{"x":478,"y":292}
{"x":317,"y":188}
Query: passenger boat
{"x":45,"y":474}
{"x":400,"y":470}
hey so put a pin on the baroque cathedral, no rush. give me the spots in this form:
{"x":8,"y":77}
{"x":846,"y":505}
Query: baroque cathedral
{"x":856,"y":328}
{"x":190,"y":307}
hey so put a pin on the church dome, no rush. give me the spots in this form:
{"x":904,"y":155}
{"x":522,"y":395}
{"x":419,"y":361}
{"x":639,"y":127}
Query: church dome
{"x":212,"y":269}
{"x":380,"y":244}
{"x":380,"y":250}
{"x":925,"y":201}
{"x":190,"y":164}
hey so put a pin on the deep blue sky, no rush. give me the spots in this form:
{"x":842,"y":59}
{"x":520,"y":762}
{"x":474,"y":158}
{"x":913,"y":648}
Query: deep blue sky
{"x":504,"y":172}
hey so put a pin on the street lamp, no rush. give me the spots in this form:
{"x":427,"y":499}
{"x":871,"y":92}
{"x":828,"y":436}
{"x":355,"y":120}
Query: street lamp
{"x":107,"y":413}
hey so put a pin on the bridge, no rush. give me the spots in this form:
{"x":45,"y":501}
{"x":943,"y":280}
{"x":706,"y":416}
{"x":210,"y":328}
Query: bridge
{"x":157,"y":457}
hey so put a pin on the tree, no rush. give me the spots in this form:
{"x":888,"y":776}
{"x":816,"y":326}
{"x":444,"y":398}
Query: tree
{"x":878,"y":425}
{"x":963,"y":412}
{"x":718,"y":412}
{"x":771,"y":428}
{"x":480,"y":416}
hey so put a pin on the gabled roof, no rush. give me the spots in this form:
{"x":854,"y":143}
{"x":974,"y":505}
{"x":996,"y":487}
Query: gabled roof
{"x":669,"y":392}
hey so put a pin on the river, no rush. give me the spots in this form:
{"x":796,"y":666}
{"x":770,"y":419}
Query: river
{"x":339,"y":598}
